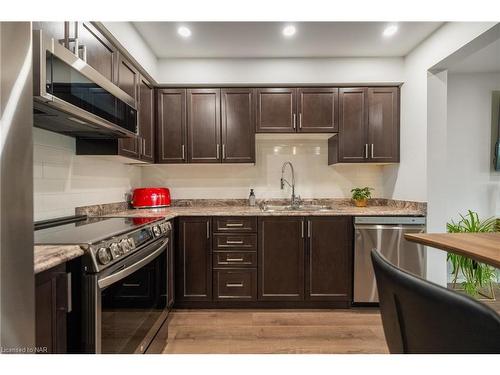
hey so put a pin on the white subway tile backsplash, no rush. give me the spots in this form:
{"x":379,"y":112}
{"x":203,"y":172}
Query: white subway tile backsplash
{"x":63,"y":181}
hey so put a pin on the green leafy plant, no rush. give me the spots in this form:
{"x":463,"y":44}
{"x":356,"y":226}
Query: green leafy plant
{"x":361,"y":193}
{"x":476,"y":275}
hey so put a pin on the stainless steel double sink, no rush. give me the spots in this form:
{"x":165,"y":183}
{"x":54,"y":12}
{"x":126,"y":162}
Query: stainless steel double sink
{"x":299,"y":208}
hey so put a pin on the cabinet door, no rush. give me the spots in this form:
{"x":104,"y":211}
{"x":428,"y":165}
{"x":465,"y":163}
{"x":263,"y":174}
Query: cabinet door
{"x":276,"y":110}
{"x":329,"y":258}
{"x":353,"y":118}
{"x":383,"y":124}
{"x":193,"y":259}
{"x":318,"y":110}
{"x":51,"y":306}
{"x":146,"y":120}
{"x":238,"y":126}
{"x":128,"y":81}
{"x":281,"y":259}
{"x":172,"y":128}
{"x":96,"y":50}
{"x":203,"y":116}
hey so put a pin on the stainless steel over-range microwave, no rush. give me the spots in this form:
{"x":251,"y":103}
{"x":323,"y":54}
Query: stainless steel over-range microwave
{"x":72,"y":98}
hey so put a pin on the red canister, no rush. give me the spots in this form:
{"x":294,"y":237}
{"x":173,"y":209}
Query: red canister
{"x":150,"y":197}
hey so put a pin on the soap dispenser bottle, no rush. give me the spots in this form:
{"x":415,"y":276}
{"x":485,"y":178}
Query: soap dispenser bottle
{"x":251,"y":198}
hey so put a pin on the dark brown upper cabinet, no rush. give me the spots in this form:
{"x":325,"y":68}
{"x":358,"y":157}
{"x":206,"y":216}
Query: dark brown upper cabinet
{"x":96,"y":50}
{"x":383,"y":124}
{"x":317,"y":110}
{"x":146,"y":120}
{"x":276,"y":110}
{"x":172,"y":126}
{"x":281,"y":258}
{"x":329,"y":258}
{"x":128,"y":81}
{"x":238,"y":125}
{"x":193,"y":272}
{"x":203,"y":119}
{"x":368,"y":126}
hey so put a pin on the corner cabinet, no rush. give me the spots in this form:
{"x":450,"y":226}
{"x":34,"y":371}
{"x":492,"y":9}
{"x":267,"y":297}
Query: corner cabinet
{"x":368,"y":126}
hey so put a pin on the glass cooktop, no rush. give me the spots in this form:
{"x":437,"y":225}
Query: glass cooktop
{"x":89,"y":230}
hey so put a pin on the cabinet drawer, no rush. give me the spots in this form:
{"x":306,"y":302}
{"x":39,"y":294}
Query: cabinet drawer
{"x":235,"y":284}
{"x":235,"y":224}
{"x":235,"y":259}
{"x":235,"y":241}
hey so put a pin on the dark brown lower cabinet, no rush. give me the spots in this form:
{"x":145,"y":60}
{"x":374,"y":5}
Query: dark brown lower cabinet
{"x":193,"y":259}
{"x":281,"y":259}
{"x":329,"y":258}
{"x":51,"y":308}
{"x":235,"y":284}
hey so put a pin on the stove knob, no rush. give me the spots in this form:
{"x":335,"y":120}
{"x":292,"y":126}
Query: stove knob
{"x":157,"y":231}
{"x":115,"y":250}
{"x":131,"y":243}
{"x":168,"y":225}
{"x":124,"y":246}
{"x":103,"y":256}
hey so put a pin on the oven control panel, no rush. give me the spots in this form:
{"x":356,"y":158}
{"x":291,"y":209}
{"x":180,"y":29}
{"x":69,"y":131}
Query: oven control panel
{"x":109,"y":251}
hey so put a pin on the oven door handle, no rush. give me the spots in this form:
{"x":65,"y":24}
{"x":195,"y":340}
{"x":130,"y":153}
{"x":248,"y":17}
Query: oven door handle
{"x":113,"y":278}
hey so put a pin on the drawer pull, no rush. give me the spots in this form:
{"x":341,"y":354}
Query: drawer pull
{"x":234,"y":259}
{"x":239,"y":242}
{"x":234,"y":224}
{"x":234,"y":285}
{"x":131,"y":284}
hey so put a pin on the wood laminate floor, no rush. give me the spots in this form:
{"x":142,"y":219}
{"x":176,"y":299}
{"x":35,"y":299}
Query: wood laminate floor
{"x":356,"y":330}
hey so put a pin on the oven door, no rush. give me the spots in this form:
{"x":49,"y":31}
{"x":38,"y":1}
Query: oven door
{"x":125,"y":305}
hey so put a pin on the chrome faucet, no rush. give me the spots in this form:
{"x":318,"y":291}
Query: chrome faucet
{"x":294,"y":201}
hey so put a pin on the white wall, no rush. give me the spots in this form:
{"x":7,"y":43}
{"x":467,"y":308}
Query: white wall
{"x":280,"y":70}
{"x":471,"y":181}
{"x":133,"y":42}
{"x":63,"y":181}
{"x":314,"y":178}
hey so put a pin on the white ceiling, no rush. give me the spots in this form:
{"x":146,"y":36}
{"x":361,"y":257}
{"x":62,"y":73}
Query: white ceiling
{"x":265,"y":39}
{"x":486,"y":60}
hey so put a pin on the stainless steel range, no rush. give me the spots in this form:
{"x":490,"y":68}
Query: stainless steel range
{"x":123,"y":279}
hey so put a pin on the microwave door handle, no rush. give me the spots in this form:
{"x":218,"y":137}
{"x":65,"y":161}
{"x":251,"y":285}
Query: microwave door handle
{"x":113,"y":278}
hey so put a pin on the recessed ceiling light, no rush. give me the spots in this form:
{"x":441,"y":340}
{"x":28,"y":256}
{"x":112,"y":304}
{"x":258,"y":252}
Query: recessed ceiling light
{"x":390,"y":30}
{"x":289,"y":31}
{"x":184,"y":32}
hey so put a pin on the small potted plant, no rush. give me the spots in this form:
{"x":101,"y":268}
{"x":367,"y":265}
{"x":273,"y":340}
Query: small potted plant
{"x":360,"y":196}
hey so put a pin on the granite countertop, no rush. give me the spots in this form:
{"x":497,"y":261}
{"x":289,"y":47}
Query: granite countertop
{"x":48,"y":256}
{"x":339,"y":207}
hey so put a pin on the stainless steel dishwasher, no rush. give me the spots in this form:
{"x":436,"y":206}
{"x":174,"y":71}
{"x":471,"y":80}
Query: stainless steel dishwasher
{"x":385,"y":234}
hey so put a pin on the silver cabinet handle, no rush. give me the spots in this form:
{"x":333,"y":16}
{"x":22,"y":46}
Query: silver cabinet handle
{"x":234,"y":259}
{"x":131,"y":284}
{"x":309,"y":228}
{"x":223,"y":151}
{"x":294,"y":121}
{"x":218,"y":150}
{"x":234,"y":224}
{"x":302,"y":228}
{"x":234,"y":285}
{"x":183,"y":152}
{"x":144,"y":146}
{"x":300,"y":120}
{"x":372,"y":151}
{"x":366,"y":150}
{"x":69,"y":306}
{"x":208,"y":229}
{"x":83,"y":48}
{"x":239,"y":242}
